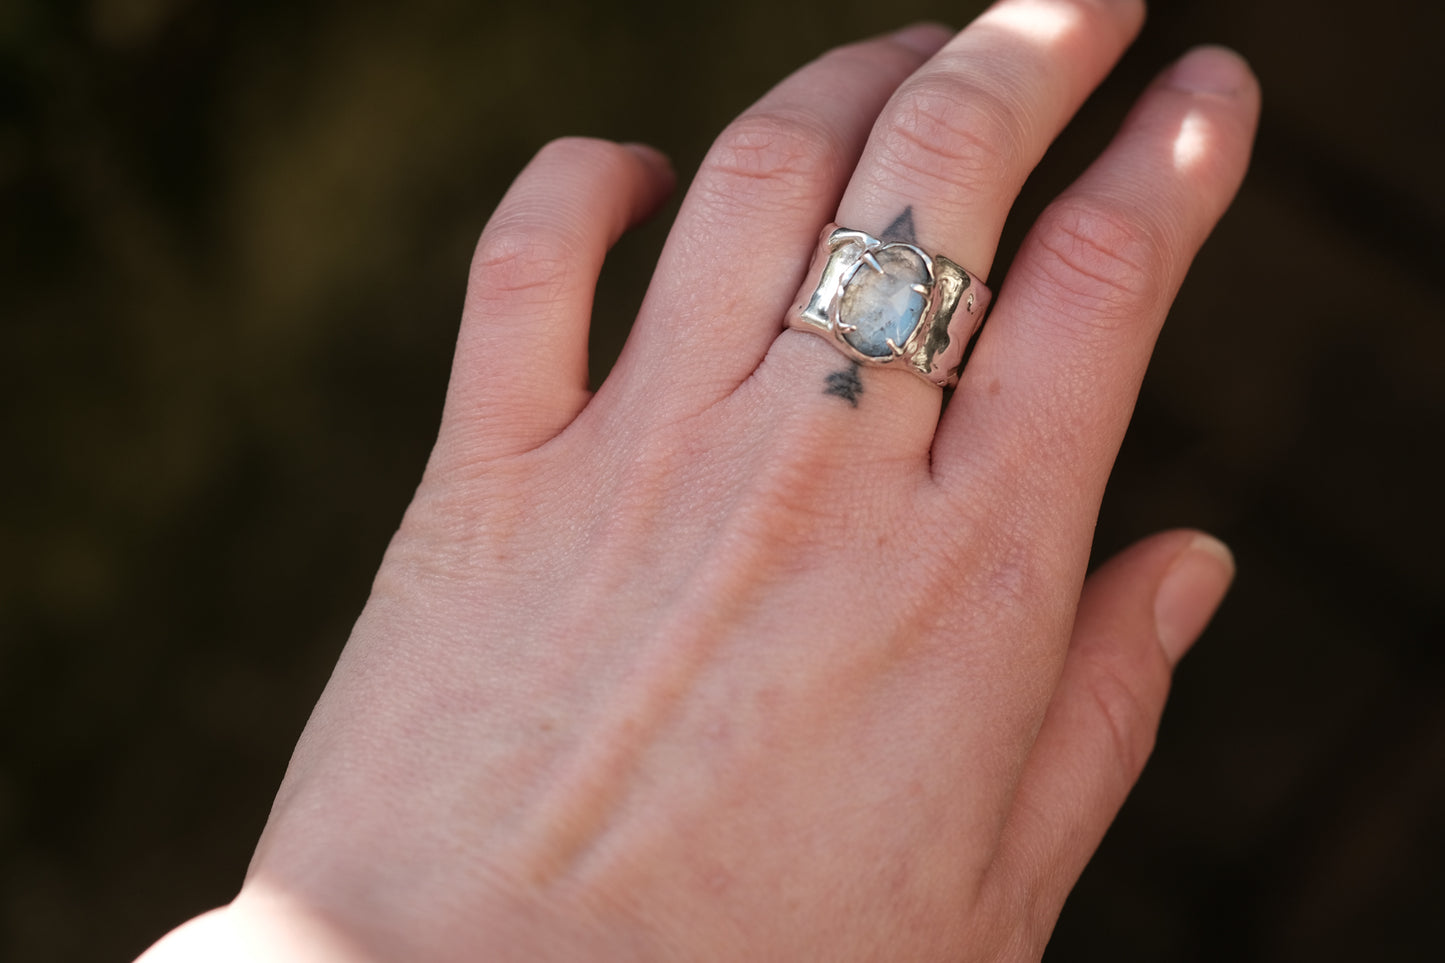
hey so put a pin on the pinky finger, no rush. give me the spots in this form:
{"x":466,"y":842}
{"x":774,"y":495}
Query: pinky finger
{"x":520,"y":372}
{"x":1137,"y":616}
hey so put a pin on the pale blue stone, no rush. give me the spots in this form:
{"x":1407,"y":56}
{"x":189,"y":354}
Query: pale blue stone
{"x":884,"y":305}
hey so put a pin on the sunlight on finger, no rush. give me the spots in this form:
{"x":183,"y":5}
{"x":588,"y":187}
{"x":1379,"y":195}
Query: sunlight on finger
{"x":1042,"y":21}
{"x":1191,"y":143}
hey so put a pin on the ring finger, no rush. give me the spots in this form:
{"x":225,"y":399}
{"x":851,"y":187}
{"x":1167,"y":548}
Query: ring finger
{"x":943,"y":165}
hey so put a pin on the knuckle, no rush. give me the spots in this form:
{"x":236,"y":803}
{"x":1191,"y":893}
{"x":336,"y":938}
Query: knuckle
{"x":532,"y":246}
{"x":521,"y":261}
{"x":770,"y":158}
{"x":1103,"y":265}
{"x":1126,"y":715}
{"x":467,"y":511}
{"x":945,"y":129}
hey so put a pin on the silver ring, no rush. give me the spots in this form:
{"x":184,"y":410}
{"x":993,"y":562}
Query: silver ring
{"x":890,"y":303}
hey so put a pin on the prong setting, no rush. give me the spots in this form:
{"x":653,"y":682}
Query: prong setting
{"x":900,"y":310}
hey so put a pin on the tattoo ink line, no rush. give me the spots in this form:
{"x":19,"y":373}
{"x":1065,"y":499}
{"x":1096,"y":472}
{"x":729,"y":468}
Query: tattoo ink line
{"x":845,"y":384}
{"x":901,"y":229}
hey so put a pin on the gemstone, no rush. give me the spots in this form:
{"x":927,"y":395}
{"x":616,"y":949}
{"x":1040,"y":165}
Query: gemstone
{"x":883,"y":303}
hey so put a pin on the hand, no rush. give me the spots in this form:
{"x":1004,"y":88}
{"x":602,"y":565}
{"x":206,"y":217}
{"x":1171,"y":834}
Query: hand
{"x":756,"y":654}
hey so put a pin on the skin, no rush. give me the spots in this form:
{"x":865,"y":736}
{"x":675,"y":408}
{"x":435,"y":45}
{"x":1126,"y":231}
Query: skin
{"x":757,"y":654}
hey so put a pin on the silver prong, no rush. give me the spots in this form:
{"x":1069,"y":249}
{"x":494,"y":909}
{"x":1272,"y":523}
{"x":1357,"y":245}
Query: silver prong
{"x":897,"y":351}
{"x":969,"y":306}
{"x":846,"y":328}
{"x":922,"y":288}
{"x":872,"y":262}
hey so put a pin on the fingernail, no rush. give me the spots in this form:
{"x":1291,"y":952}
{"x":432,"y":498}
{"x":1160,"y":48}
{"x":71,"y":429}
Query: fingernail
{"x":924,"y":38}
{"x":1190,"y":592}
{"x":660,"y":163}
{"x":1210,"y":70}
{"x":650,"y":154}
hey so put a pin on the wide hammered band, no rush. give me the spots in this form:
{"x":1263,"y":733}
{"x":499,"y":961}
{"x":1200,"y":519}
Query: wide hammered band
{"x":890,"y":303}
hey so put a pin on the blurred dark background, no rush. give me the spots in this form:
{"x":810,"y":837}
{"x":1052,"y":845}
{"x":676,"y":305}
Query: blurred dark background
{"x":235,"y":238}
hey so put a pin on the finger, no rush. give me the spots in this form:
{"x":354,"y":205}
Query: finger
{"x":953,"y":147}
{"x":746,"y":229}
{"x":530,"y":292}
{"x":1047,"y":394}
{"x":951,"y":150}
{"x":1137,"y":617}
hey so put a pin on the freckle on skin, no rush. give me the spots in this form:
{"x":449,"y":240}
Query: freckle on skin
{"x":994,"y":387}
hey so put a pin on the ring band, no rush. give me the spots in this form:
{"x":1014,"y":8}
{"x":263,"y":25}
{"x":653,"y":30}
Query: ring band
{"x":890,"y":303}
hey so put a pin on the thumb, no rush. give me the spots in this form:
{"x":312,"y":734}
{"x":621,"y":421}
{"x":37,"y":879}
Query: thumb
{"x":1137,"y":616}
